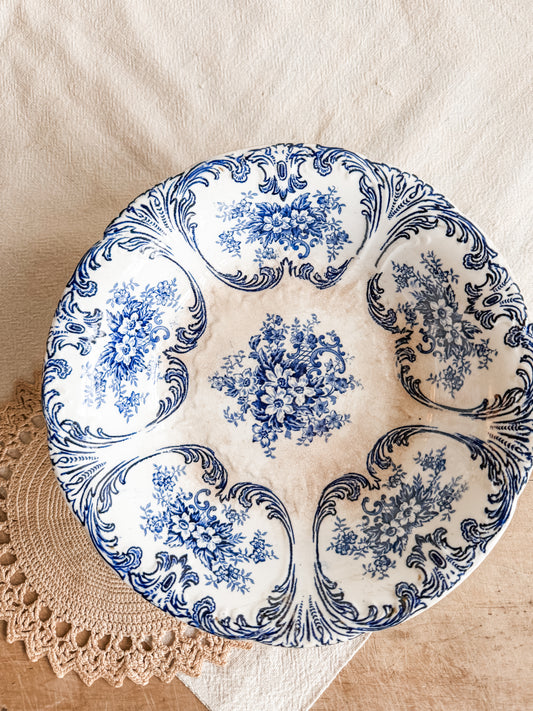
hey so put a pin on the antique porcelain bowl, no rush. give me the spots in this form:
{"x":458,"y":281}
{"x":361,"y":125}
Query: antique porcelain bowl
{"x":289,"y":395}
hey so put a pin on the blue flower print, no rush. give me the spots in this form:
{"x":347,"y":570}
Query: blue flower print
{"x":382,"y":565}
{"x":288,"y":382}
{"x":245,"y":384}
{"x":154,"y":523}
{"x":124,"y":353}
{"x":299,"y":389}
{"x":164,"y":479}
{"x":345,"y":542}
{"x":127,"y":404}
{"x":383,"y":535}
{"x":297,"y":226}
{"x":260,"y":549}
{"x":183,"y":519}
{"x":278,"y":402}
{"x":134,"y":327}
{"x":270,"y":223}
{"x":431,"y":305}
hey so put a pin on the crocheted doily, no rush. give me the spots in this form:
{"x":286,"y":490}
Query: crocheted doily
{"x":57,"y":594}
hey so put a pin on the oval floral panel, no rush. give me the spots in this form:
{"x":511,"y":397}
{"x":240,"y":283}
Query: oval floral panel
{"x":289,"y":394}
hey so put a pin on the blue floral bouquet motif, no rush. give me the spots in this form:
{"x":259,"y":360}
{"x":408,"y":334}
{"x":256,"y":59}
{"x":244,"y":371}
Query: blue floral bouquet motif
{"x":134,"y":327}
{"x":383,"y":534}
{"x":291,"y":384}
{"x":451,"y":338}
{"x":182,"y":519}
{"x":299,"y":225}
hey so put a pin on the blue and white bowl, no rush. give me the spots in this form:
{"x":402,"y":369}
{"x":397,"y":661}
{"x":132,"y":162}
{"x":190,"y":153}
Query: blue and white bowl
{"x":289,"y":394}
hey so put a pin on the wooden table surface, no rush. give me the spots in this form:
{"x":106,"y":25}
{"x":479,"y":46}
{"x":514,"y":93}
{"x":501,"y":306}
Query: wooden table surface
{"x":471,"y":652}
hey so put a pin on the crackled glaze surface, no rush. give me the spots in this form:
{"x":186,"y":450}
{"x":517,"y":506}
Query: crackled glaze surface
{"x":289,"y":394}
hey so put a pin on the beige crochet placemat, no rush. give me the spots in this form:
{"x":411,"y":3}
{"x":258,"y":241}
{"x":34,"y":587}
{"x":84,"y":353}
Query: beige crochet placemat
{"x":57,"y":594}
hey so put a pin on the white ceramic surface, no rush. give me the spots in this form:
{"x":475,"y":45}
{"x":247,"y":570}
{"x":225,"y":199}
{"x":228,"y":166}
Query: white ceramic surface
{"x":289,"y":395}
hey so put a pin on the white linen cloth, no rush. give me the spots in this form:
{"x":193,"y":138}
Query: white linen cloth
{"x":103,"y":99}
{"x":272,"y":678}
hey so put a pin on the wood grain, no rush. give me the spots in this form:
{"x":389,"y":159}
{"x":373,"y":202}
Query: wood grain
{"x":471,"y":652}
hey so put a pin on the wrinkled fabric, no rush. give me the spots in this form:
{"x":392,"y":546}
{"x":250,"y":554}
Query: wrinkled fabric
{"x":271,"y":678}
